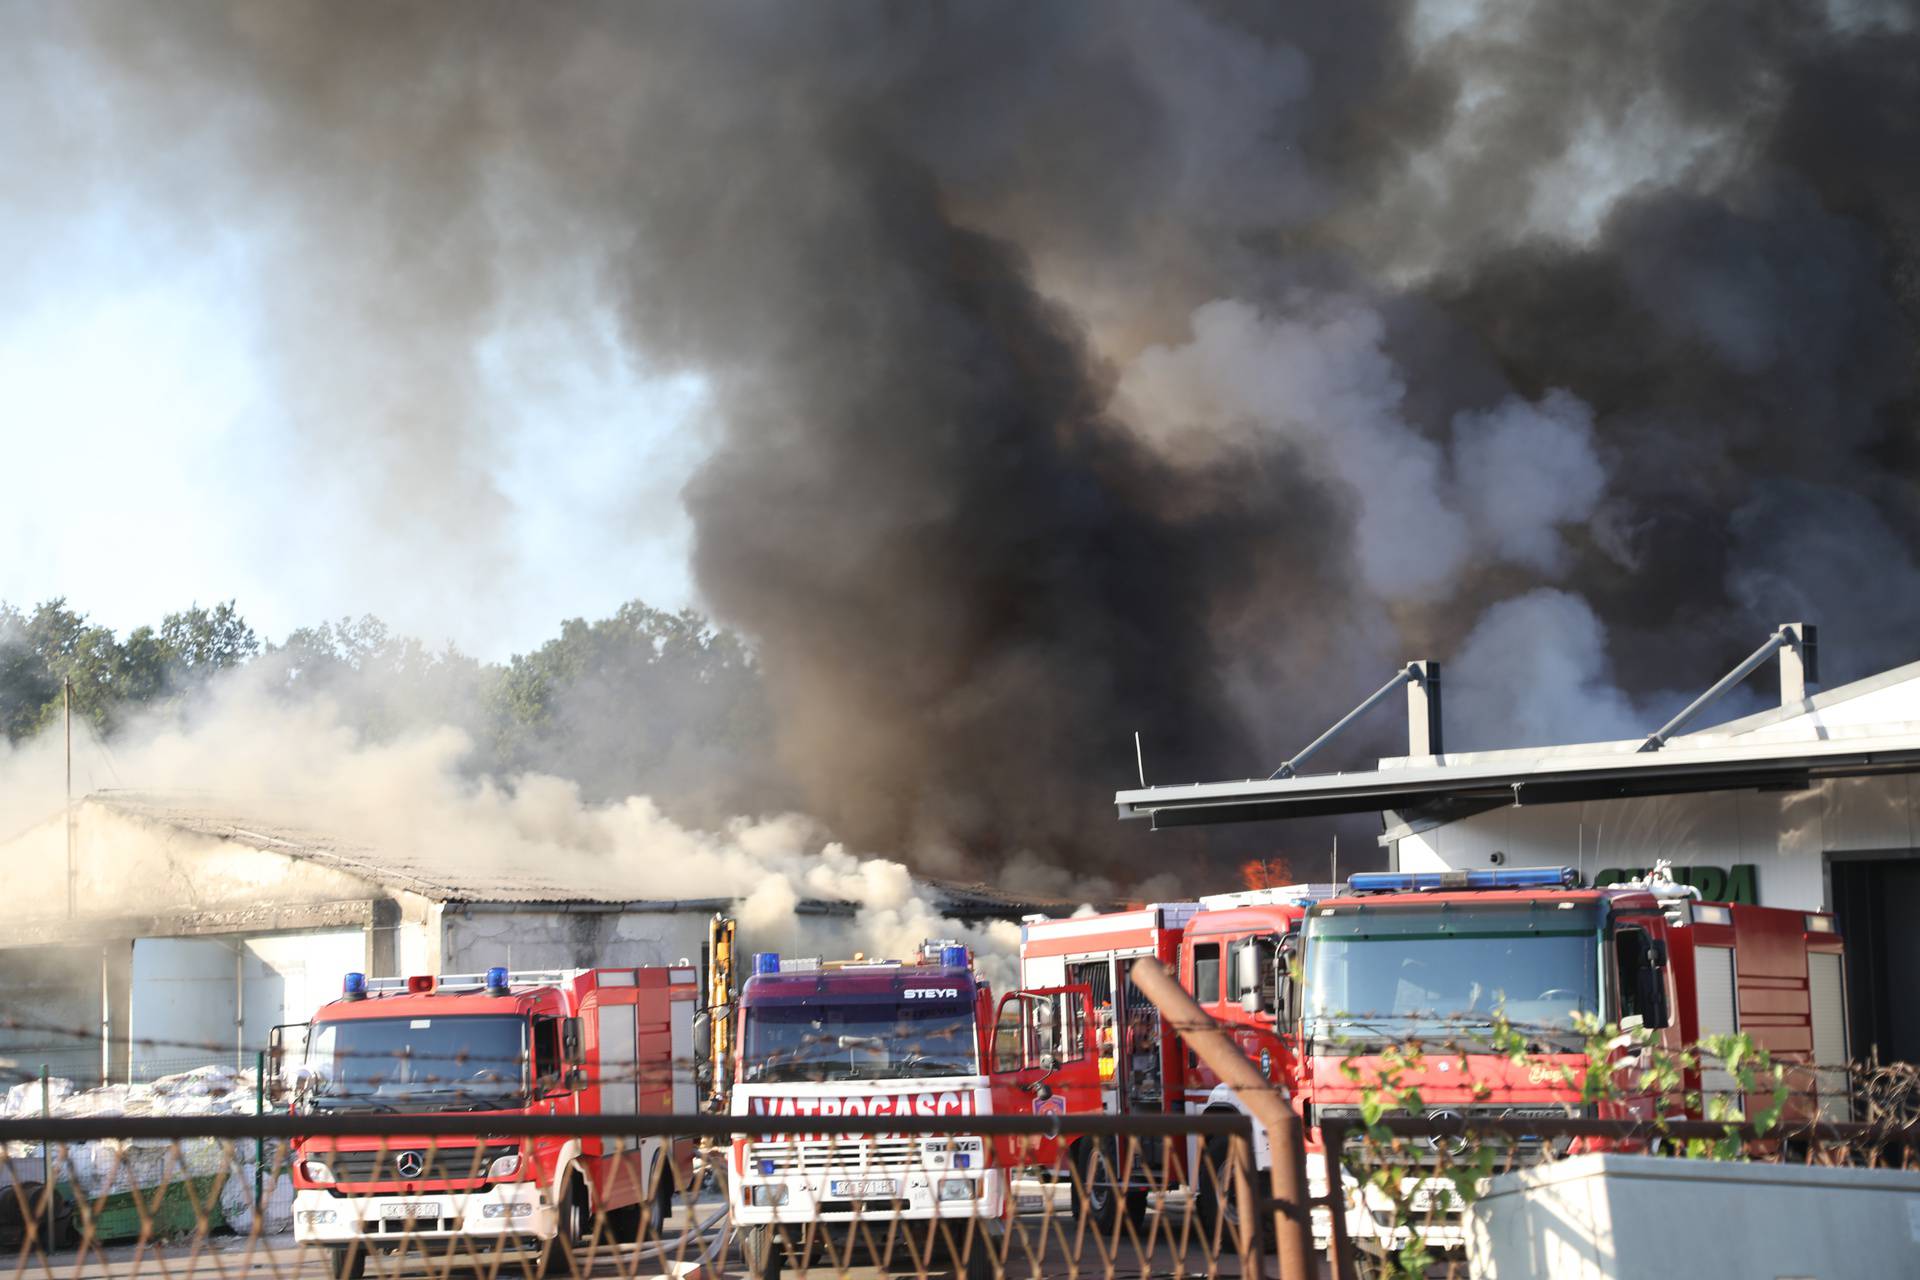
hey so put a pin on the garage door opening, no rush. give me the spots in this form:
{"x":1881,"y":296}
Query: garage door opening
{"x":1875,"y":902}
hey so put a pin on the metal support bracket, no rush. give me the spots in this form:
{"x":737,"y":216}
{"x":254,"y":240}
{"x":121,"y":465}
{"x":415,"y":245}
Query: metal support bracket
{"x":1797,"y":636}
{"x":1413,"y":673}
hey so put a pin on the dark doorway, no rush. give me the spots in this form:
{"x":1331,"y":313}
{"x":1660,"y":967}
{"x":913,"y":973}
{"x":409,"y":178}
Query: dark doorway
{"x":1876,"y":902}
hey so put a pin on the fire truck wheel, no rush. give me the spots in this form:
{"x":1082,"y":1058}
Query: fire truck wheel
{"x":1095,"y":1198}
{"x":1218,"y":1204}
{"x":661,"y":1208}
{"x":982,"y":1248}
{"x":557,"y":1257}
{"x":346,"y":1262}
{"x":760,"y":1251}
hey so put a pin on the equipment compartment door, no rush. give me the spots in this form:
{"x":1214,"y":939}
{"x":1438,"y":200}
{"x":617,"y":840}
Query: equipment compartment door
{"x":1045,"y":1061}
{"x":629,"y":1048}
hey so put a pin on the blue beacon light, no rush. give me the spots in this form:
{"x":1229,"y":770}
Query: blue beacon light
{"x":1506,"y":878}
{"x":354,"y":987}
{"x":953,"y":957}
{"x":766,"y":962}
{"x":497,"y":983}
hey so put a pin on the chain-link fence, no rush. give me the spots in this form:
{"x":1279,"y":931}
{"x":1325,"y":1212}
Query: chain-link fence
{"x":975,"y":1196}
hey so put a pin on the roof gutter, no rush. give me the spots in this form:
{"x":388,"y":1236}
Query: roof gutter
{"x":645,"y":906}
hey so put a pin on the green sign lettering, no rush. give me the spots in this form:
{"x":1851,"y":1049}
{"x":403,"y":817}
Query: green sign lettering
{"x":1739,"y":883}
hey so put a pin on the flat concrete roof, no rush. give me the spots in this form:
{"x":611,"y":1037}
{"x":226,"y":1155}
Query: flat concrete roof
{"x":1871,"y":726}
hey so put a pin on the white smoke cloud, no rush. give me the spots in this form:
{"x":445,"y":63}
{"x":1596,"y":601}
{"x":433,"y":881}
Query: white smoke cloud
{"x":1534,"y":672}
{"x":1524,"y":471}
{"x":1320,"y":377}
{"x":249,"y":753}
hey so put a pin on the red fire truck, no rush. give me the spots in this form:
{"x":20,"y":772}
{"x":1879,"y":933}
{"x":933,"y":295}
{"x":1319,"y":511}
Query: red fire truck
{"x":584,"y":1042}
{"x":1233,"y":951}
{"x":1398,"y":957}
{"x":1431,"y":956}
{"x":891,"y":1038}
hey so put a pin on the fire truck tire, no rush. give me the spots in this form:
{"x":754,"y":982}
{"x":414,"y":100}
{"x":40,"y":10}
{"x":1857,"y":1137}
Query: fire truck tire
{"x":1096,"y":1200}
{"x":760,"y":1250}
{"x":661,"y":1208}
{"x":982,"y":1249}
{"x":346,"y":1262}
{"x":1217,"y":1203}
{"x":557,"y":1257}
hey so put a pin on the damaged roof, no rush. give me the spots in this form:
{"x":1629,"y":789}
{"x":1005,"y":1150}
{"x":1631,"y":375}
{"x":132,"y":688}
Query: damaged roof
{"x":451,"y":876}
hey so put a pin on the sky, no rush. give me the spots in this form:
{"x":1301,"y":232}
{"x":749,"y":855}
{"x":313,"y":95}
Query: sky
{"x":153,"y":467}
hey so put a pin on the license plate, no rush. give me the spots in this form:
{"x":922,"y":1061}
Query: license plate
{"x":415,"y":1209}
{"x":1433,"y":1197}
{"x":862,"y":1188}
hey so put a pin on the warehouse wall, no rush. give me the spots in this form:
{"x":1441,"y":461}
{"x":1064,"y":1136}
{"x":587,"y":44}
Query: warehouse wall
{"x":1782,"y":834}
{"x":55,"y":994}
{"x":539,"y":937}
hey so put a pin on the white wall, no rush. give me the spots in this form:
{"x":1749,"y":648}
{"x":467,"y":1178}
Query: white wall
{"x":186,"y":992}
{"x":1783,"y":833}
{"x":543,"y":939}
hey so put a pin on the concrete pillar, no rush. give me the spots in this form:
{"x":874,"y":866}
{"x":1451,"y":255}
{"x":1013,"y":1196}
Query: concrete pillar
{"x":1799,"y":664}
{"x":383,"y":938}
{"x":1423,"y":709}
{"x":116,"y":1010}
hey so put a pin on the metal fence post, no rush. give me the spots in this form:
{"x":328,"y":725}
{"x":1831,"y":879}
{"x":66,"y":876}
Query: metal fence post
{"x":46,"y":1152}
{"x":260,"y":1143}
{"x":1292,"y":1216}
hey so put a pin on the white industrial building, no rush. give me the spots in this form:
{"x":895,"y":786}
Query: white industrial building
{"x":193,"y":930}
{"x":1810,"y":805}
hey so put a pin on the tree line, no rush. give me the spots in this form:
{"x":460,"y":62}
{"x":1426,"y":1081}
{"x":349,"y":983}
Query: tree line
{"x":650,"y":701}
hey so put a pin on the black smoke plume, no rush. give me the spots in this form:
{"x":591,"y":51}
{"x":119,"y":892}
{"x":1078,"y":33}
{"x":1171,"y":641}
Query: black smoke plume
{"x":1083,"y":368}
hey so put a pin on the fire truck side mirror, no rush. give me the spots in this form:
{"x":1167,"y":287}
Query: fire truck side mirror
{"x":1246,"y":975}
{"x":571,"y":1050}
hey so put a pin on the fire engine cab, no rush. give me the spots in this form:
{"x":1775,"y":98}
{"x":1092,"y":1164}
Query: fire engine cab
{"x":1234,"y":952}
{"x":1312,"y":980}
{"x":890,"y":1038}
{"x":1431,"y":957}
{"x":578,"y":1042}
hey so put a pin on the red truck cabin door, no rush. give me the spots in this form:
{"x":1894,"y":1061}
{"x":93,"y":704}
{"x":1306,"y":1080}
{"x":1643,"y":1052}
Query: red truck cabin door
{"x":1045,"y":1061}
{"x":628,"y":1042}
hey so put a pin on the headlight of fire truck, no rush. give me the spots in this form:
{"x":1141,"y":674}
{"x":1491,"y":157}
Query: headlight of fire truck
{"x":316,"y":1171}
{"x":504,"y":1167}
{"x":951,"y":1153}
{"x":952,"y":1189}
{"x":765,"y":1196}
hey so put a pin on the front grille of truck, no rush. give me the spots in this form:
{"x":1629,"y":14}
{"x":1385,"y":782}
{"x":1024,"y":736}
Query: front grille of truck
{"x":442,"y":1164}
{"x":1524,"y":1150}
{"x":847,"y":1155}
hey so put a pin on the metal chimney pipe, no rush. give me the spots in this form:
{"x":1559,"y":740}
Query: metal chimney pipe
{"x":1423,"y":709}
{"x":1799,"y":664}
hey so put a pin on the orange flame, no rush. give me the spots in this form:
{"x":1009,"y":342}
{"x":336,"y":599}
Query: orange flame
{"x":1265,"y":873}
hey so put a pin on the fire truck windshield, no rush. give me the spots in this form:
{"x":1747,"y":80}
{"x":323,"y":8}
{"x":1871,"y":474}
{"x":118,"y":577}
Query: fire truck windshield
{"x":1392,"y":971}
{"x":881,"y":1040}
{"x":471,"y":1062}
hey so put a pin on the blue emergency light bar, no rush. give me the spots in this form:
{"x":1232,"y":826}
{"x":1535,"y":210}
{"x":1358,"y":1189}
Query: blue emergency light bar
{"x":1506,"y":878}
{"x":953,"y":957}
{"x":354,"y":986}
{"x":766,"y":962}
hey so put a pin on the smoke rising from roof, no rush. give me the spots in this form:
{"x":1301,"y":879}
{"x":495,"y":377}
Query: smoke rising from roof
{"x":1085,"y":368}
